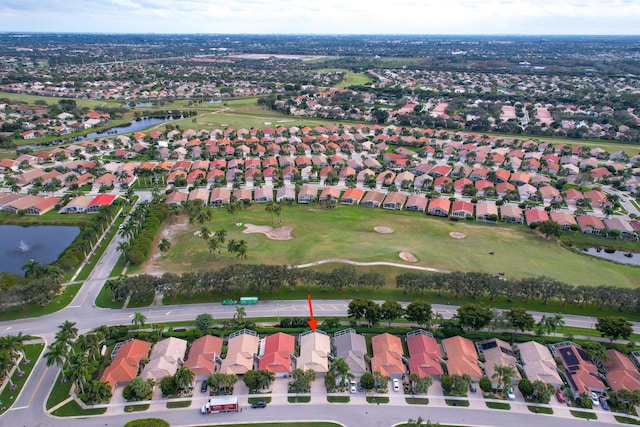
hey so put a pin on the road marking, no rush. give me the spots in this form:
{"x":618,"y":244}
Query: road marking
{"x":37,"y":387}
{"x":20,"y":407}
{"x":16,"y":325}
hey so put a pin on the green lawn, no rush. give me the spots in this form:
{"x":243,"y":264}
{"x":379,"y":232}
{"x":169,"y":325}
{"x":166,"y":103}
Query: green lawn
{"x":351,"y":78}
{"x":8,"y":397}
{"x":298,"y":399}
{"x":59,"y":392}
{"x":105,"y":299}
{"x":136,"y":408}
{"x":348,"y":232}
{"x":540,"y":409}
{"x":585,"y":415}
{"x":258,"y":399}
{"x":498,"y":405}
{"x":183,"y":404}
{"x":338,"y":399}
{"x":626,"y":420}
{"x":35,"y":310}
{"x":72,"y":409}
{"x":456,"y":402}
{"x":377,"y":399}
{"x":417,"y":401}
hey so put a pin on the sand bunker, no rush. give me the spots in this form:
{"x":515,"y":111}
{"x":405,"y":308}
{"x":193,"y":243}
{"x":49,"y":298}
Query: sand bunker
{"x":457,"y":235}
{"x":280,"y":233}
{"x":408,"y":256}
{"x":384,"y":230}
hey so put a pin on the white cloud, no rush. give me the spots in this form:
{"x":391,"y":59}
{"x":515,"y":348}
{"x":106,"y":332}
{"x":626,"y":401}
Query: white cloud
{"x":324,"y":16}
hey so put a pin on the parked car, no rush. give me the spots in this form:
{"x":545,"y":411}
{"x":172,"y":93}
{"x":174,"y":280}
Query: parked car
{"x":204,"y":387}
{"x":473,"y":387}
{"x":396,"y":385}
{"x":360,"y":387}
{"x":594,"y":399}
{"x":560,"y":396}
{"x":353,"y":387}
{"x":259,"y":404}
{"x":511,"y":395}
{"x":604,"y":403}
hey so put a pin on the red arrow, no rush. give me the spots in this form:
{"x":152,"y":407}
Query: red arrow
{"x":312,"y":323}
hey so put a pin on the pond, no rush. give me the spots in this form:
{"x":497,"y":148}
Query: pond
{"x":42,"y":243}
{"x":617,"y":256}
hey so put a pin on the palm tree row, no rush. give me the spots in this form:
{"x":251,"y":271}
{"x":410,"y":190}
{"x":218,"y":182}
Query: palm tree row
{"x":11,"y":352}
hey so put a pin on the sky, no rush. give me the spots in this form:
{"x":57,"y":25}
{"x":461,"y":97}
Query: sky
{"x":614,"y":17}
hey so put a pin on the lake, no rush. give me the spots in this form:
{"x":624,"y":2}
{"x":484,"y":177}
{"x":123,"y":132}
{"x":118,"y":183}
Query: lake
{"x":42,"y":243}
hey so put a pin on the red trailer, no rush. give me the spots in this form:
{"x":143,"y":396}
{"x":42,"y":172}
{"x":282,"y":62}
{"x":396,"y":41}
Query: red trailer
{"x":220,"y":404}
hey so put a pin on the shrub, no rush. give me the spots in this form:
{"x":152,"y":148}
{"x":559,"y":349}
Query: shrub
{"x":447,"y":383}
{"x":485,"y":384}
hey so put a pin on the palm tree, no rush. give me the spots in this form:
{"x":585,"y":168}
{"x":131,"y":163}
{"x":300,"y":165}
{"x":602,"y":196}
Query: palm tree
{"x":139,"y":319}
{"x":184,"y":377}
{"x":241,"y":249}
{"x":123,"y":247}
{"x":164,"y":245}
{"x":55,"y":273}
{"x":98,"y":391}
{"x":79,"y":370}
{"x":57,"y":355}
{"x":502,"y":375}
{"x":7,"y":360}
{"x":239,"y":314}
{"x":265,"y":378}
{"x":340,"y":369}
{"x":213,"y":245}
{"x":205,"y":233}
{"x":33,"y":269}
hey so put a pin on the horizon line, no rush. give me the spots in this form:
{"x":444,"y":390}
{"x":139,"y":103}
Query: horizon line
{"x":5,"y":32}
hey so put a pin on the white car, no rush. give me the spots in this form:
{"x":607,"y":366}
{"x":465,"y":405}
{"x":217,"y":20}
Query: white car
{"x":511,"y":394}
{"x":396,"y":385}
{"x":594,"y":399}
{"x":353,"y":387}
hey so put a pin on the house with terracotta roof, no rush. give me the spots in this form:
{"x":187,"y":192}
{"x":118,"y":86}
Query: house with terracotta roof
{"x":598,"y":198}
{"x":308,"y":193}
{"x":203,"y":355}
{"x":125,"y":362}
{"x":439,"y":206}
{"x":417,"y":203}
{"x":623,"y":227}
{"x":425,"y":355}
{"x":461,"y":209}
{"x":77,"y":205}
{"x":498,"y":353}
{"x":242,"y":347}
{"x":329,"y":192}
{"x":315,"y":349}
{"x":276,"y":354}
{"x":220,"y":197}
{"x":590,"y":224}
{"x":176,"y":197}
{"x":538,"y":363}
{"x":100,"y":201}
{"x":621,"y":372}
{"x":352,"y":196}
{"x":579,"y":371}
{"x":43,"y":206}
{"x":566,"y":220}
{"x":243,"y":195}
{"x":165,"y":359}
{"x":387,"y":355}
{"x":352,"y":347}
{"x":486,"y":211}
{"x":263,"y":194}
{"x":511,"y":214}
{"x":394,"y":200}
{"x":462,"y":357}
{"x":285,"y":194}
{"x":201,"y":194}
{"x":535,"y":215}
{"x":373,"y":199}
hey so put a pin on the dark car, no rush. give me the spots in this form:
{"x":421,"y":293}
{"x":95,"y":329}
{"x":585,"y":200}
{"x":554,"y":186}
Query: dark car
{"x":604,"y":403}
{"x":473,"y":387}
{"x":360,"y":387}
{"x":259,"y":404}
{"x":204,"y":387}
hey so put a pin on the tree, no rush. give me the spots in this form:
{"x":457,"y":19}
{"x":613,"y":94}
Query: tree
{"x":239,"y":315}
{"x":381,"y":381}
{"x":340,"y":370}
{"x":391,"y":310}
{"x":518,"y":318}
{"x":460,"y":383}
{"x":420,"y":385}
{"x":419,"y":311}
{"x":503,"y":374}
{"x":474,"y":316}
{"x":168,"y":386}
{"x":543,"y":391}
{"x":526,"y":388}
{"x":485,"y":384}
{"x":184,"y":378}
{"x":57,"y":355}
{"x":204,"y":321}
{"x":550,"y":228}
{"x":138,"y":320}
{"x":367,"y":381}
{"x":139,"y":389}
{"x":164,"y":245}
{"x":33,"y":269}
{"x":97,"y":392}
{"x":614,"y":327}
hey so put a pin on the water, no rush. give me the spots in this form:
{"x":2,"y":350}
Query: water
{"x":618,"y":256}
{"x":42,"y":243}
{"x":134,"y":126}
